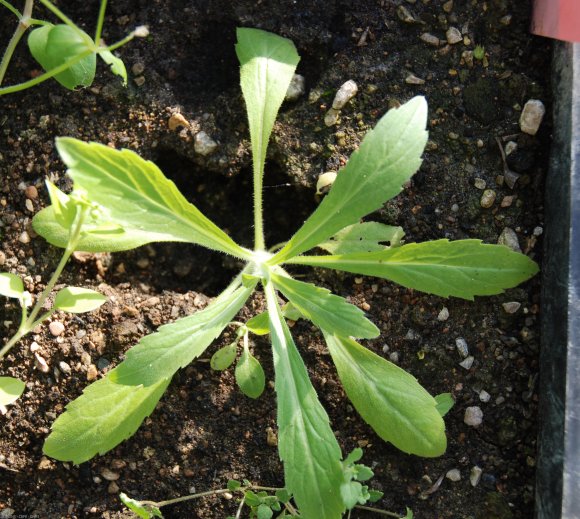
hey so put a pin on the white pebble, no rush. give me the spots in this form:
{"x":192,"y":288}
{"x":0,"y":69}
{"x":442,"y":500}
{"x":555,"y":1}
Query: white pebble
{"x":484,"y":396}
{"x":331,"y":117}
{"x":394,"y":357}
{"x":345,"y":93}
{"x":475,"y":475}
{"x":24,"y":238}
{"x":109,"y":475}
{"x":56,"y":328}
{"x":461,"y":345}
{"x":64,"y":367}
{"x":296,"y":88}
{"x":453,"y":475}
{"x":453,"y":35}
{"x":512,"y":307}
{"x":204,"y":144}
{"x":509,"y":238}
{"x":443,"y":314}
{"x":532,"y":116}
{"x":41,"y":363}
{"x":510,"y":147}
{"x":325,"y":181}
{"x":467,"y":362}
{"x":412,"y":79}
{"x":473,"y":416}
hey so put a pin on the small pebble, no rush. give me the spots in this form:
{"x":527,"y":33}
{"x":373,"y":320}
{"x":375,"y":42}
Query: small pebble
{"x":64,"y":367}
{"x":139,"y":80}
{"x":448,"y":6}
{"x":509,"y":238}
{"x":412,"y":79}
{"x":487,"y":198}
{"x":296,"y":89}
{"x":331,"y":117}
{"x":453,"y":35}
{"x":394,"y":357}
{"x":475,"y":475}
{"x":138,"y":68}
{"x":443,"y":314}
{"x":479,"y":183}
{"x":271,"y":437}
{"x":510,"y":147}
{"x":325,"y":181}
{"x":24,"y":238}
{"x":430,"y":39}
{"x":473,"y":416}
{"x":461,"y":345}
{"x":92,"y":372}
{"x":538,"y":231}
{"x":453,"y":475}
{"x":484,"y":396}
{"x":56,"y":328}
{"x":511,"y":307}
{"x":29,"y":205}
{"x":109,"y":475}
{"x":7,"y":513}
{"x":467,"y":362}
{"x":177,"y":121}
{"x":204,"y":144}
{"x":405,"y":15}
{"x":31,"y":192}
{"x":2,"y":258}
{"x":532,"y":116}
{"x":344,"y":94}
{"x":507,"y":201}
{"x":113,"y":488}
{"x":41,"y":363}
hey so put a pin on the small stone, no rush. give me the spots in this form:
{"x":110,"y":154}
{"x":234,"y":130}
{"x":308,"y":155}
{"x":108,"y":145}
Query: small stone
{"x":507,"y":201}
{"x":103,"y":363}
{"x":467,"y":362}
{"x":453,"y":35}
{"x":56,"y":328}
{"x":325,"y":181}
{"x":487,"y":198}
{"x":29,"y":205}
{"x":344,"y":94}
{"x":509,"y":238}
{"x":405,"y":15}
{"x":430,"y":39}
{"x":412,"y":79}
{"x":118,"y":464}
{"x":448,"y":6}
{"x":296,"y":89}
{"x":41,"y":363}
{"x":109,"y":475}
{"x":479,"y":183}
{"x":394,"y":357}
{"x":532,"y":116}
{"x":461,"y":345}
{"x":7,"y":513}
{"x":139,"y":80}
{"x":443,"y":314}
{"x":510,"y":147}
{"x":64,"y":367}
{"x":24,"y":238}
{"x":2,"y":258}
{"x":113,"y":488}
{"x":138,"y":68}
{"x":44,"y":463}
{"x":473,"y":416}
{"x":453,"y":475}
{"x":511,"y":307}
{"x":331,"y":117}
{"x":506,"y":20}
{"x":271,"y":437}
{"x":177,"y":121}
{"x":204,"y":144}
{"x":31,"y":192}
{"x":484,"y":396}
{"x":475,"y":475}
{"x":538,"y":231}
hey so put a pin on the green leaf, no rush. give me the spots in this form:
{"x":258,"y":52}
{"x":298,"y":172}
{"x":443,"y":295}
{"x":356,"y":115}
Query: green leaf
{"x":388,"y":398}
{"x":134,"y":194}
{"x":283,"y":495}
{"x":363,"y":237}
{"x":409,"y":514}
{"x":463,"y":268}
{"x":11,"y":285}
{"x":388,"y":156}
{"x":224,"y":357}
{"x":116,"y":64}
{"x":444,"y":403}
{"x":102,"y":417}
{"x":324,"y":309}
{"x":54,"y":45}
{"x":249,"y":374}
{"x":64,"y":207}
{"x":289,"y":311}
{"x":306,"y":443}
{"x":10,"y":390}
{"x":252,"y":498}
{"x":234,"y":485}
{"x":353,"y":456}
{"x":258,"y":324}
{"x":351,"y":492}
{"x":264,"y":512}
{"x":363,"y":473}
{"x":375,"y":495}
{"x":267,"y":64}
{"x":140,"y":509}
{"x":174,"y":346}
{"x":78,"y":300}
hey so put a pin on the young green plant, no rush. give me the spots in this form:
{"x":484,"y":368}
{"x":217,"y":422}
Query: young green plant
{"x":66,"y":52}
{"x":146,"y":207}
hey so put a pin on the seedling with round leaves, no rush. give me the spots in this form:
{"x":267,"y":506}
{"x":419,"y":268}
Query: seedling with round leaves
{"x":139,"y":205}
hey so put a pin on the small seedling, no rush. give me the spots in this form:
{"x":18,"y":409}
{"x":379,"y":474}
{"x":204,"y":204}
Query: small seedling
{"x":65,"y":51}
{"x":73,"y":220}
{"x":139,"y":205}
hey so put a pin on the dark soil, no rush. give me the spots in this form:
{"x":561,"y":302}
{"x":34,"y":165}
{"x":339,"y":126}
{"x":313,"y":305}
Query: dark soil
{"x":204,"y":430}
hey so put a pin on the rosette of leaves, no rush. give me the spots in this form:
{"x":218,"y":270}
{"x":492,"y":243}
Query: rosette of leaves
{"x":140,"y":205}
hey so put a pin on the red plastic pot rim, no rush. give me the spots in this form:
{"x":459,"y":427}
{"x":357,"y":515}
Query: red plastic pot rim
{"x":559,"y":19}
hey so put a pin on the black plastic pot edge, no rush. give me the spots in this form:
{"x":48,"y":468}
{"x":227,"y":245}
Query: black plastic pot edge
{"x":558,"y":468}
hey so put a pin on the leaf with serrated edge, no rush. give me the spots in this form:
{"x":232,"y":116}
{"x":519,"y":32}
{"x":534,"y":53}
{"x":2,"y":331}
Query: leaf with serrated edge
{"x":11,"y":285}
{"x":363,"y":237}
{"x":388,"y":156}
{"x":388,"y":398}
{"x":105,"y":414}
{"x":135,"y":194}
{"x":306,"y":443}
{"x":175,"y":345}
{"x":463,"y":268}
{"x":10,"y":390}
{"x":78,"y":300}
{"x":325,"y":309}
{"x":267,"y":64}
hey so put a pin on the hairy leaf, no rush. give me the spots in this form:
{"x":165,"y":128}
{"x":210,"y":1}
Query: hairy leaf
{"x":78,"y":300}
{"x":258,"y":324}
{"x":386,"y":159}
{"x":363,"y":237}
{"x":307,"y":446}
{"x":463,"y":268}
{"x":10,"y":390}
{"x":102,"y":417}
{"x":174,"y":346}
{"x":134,"y":194}
{"x":324,"y":309}
{"x":54,"y":45}
{"x":11,"y":285}
{"x":388,"y":398}
{"x":224,"y":357}
{"x":267,"y":64}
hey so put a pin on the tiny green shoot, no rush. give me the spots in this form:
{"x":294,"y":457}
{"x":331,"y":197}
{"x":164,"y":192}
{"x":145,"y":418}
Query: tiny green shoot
{"x":135,"y":204}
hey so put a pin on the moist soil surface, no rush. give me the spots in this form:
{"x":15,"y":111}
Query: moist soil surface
{"x":204,"y":431}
